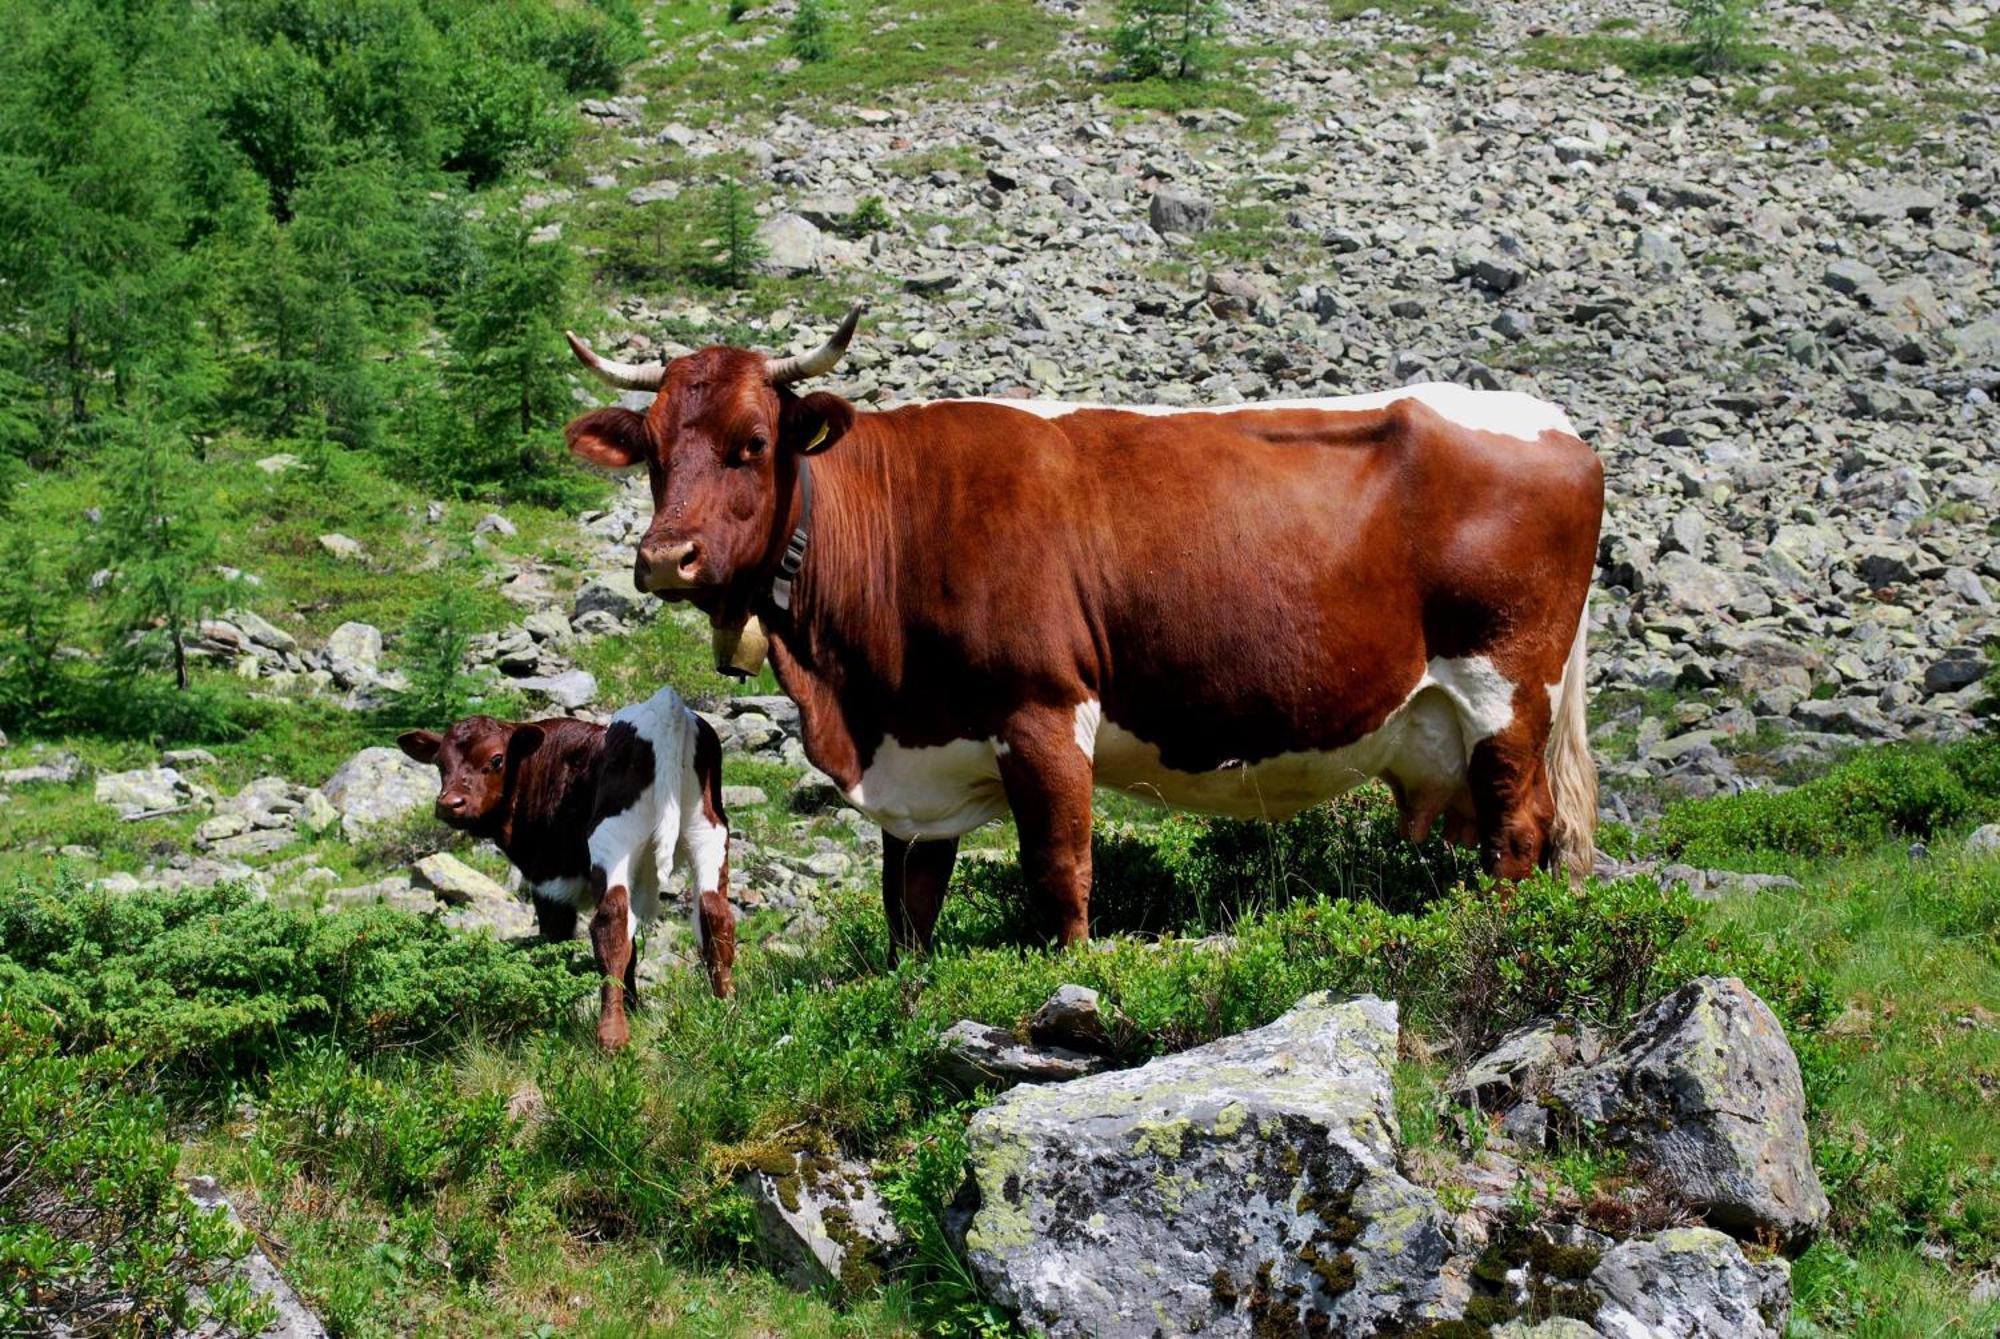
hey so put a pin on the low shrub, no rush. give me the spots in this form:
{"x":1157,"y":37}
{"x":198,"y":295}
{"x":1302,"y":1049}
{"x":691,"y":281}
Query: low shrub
{"x":96,"y":1236}
{"x":216,"y":984}
{"x":1878,"y":794}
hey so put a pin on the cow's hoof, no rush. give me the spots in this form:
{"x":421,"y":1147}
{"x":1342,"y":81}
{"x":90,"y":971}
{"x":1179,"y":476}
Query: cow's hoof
{"x":612,"y":1034}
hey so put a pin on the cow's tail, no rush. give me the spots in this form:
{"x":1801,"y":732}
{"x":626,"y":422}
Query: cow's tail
{"x":1572,"y":772}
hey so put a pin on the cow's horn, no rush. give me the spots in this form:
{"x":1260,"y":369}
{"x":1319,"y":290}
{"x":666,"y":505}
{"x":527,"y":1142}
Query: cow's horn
{"x":625,"y":376}
{"x":784,"y":371}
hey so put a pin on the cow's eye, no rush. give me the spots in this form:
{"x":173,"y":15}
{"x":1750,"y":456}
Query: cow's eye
{"x":755,"y":446}
{"x":493,"y":763}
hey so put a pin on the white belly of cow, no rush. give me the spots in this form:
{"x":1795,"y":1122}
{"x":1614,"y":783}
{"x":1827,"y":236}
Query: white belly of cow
{"x":1426,"y":744}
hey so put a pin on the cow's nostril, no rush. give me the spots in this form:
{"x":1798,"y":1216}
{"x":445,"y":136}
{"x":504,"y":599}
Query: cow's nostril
{"x":690,"y":558}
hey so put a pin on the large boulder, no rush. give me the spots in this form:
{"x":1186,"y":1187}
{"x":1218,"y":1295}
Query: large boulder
{"x":143,"y":790}
{"x":456,"y":882}
{"x":379,"y":785}
{"x":1244,"y":1187}
{"x":1690,"y":1283}
{"x":1705,"y":1091}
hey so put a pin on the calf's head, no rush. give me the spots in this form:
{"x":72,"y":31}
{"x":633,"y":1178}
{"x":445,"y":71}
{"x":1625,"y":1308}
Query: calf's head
{"x":475,"y":761}
{"x":721,"y":444}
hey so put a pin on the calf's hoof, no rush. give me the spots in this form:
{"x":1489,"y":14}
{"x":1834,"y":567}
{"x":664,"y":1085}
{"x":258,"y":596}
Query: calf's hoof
{"x":612,"y":1034}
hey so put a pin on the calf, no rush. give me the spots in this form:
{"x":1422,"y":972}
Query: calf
{"x":595,"y":817}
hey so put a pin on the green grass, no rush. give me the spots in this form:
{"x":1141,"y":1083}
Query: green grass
{"x":937,"y":48}
{"x":1439,"y":16}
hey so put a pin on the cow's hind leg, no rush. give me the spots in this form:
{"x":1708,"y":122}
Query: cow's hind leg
{"x":1047,"y":775}
{"x":614,"y":844}
{"x":555,"y":920}
{"x":704,"y":845}
{"x":1512,"y":804}
{"x":915,"y":877}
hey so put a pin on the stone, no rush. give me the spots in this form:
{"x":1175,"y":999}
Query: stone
{"x":454,"y":881}
{"x":317,"y":814}
{"x":1851,"y":276}
{"x":571,"y":689}
{"x":56,"y":768}
{"x":1231,"y":1189}
{"x":1984,"y":840}
{"x":290,"y":1317}
{"x":610,"y":592}
{"x":379,"y":785}
{"x":143,"y":790}
{"x":261,"y":631}
{"x":790,"y":243}
{"x":1705,"y":1092}
{"x":1894,"y":202}
{"x":815,"y":792}
{"x":342,"y":546}
{"x":279,"y":463}
{"x":493,"y":523}
{"x":1074,"y":1017}
{"x":976,"y":1055}
{"x":1690,"y":585}
{"x":1522,"y":1061}
{"x":742,"y":797}
{"x":354,"y":654}
{"x":1690,"y":1283}
{"x":1177,"y":211}
{"x":1959,"y":668}
{"x":822,"y":1224}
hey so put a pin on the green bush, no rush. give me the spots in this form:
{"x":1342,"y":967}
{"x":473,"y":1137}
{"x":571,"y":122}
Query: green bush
{"x":1166,"y":39}
{"x":216,"y":984}
{"x":95,"y":1234}
{"x":810,"y":34}
{"x":1878,"y":794}
{"x":1718,"y":30}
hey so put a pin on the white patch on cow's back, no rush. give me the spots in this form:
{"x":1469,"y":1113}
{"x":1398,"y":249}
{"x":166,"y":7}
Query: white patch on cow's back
{"x":940,"y":790}
{"x":1507,"y":413}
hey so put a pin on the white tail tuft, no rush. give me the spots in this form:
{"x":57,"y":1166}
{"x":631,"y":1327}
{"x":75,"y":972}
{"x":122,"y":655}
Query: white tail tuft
{"x":1572,"y":771}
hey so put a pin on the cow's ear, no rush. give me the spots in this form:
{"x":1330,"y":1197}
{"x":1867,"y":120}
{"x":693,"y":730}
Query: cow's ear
{"x":523,"y":740}
{"x":814,"y":422}
{"x":614,"y":438}
{"x":422,"y":745}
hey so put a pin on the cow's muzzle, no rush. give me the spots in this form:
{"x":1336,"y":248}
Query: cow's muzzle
{"x":668,"y":567}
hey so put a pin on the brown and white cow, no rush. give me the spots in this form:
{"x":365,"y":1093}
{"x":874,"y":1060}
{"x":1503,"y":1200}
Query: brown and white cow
{"x":595,"y":817}
{"x":992,"y":605}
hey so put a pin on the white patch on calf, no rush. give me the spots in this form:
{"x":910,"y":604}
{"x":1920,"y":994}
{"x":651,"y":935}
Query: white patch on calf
{"x":665,"y":826}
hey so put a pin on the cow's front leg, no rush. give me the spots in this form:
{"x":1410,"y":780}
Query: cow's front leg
{"x":915,"y":877}
{"x":556,"y":920}
{"x":1047,"y":775}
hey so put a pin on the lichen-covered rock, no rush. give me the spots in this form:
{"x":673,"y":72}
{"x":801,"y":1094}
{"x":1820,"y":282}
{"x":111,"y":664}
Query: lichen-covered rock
{"x":378,"y":785}
{"x":1690,"y":1283}
{"x":1706,"y":1092}
{"x":1522,"y":1061}
{"x":820,"y":1221}
{"x":1247,"y":1186}
{"x":455,"y":882}
{"x":143,"y":790}
{"x":976,"y":1056}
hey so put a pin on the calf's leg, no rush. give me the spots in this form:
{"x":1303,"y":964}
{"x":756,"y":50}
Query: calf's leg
{"x":614,"y":842}
{"x":704,"y":839}
{"x":915,"y":877}
{"x":1047,"y":776}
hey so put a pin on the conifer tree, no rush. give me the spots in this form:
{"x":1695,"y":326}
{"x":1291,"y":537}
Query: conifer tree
{"x":159,"y":546}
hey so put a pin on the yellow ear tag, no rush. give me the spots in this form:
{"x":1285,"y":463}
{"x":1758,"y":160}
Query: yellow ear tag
{"x":818,"y":437}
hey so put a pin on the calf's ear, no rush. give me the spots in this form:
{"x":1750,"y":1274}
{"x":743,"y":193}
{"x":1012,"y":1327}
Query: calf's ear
{"x":523,"y":740}
{"x":613,"y":438}
{"x":422,"y":745}
{"x":812,"y":423}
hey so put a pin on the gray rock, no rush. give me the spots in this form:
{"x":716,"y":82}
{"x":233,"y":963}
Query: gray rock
{"x":610,"y":592}
{"x":1706,"y":1092}
{"x":256,"y":842}
{"x":1851,"y":276}
{"x":379,"y":785}
{"x":740,"y":797}
{"x":56,"y":768}
{"x":317,"y":814}
{"x":822,"y":1225}
{"x":1984,"y":840}
{"x":354,"y":654}
{"x":1074,"y":1017}
{"x":976,"y":1055}
{"x":1178,"y":211}
{"x":291,"y":1317}
{"x":261,"y":631}
{"x":1960,"y":668}
{"x":1894,"y":202}
{"x":569,"y":690}
{"x":1691,"y":585}
{"x":454,"y":881}
{"x":1239,"y":1185}
{"x":493,"y":523}
{"x":143,"y":790}
{"x":342,"y":546}
{"x":1690,"y":1283}
{"x":1521,"y":1062}
{"x":791,"y":244}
